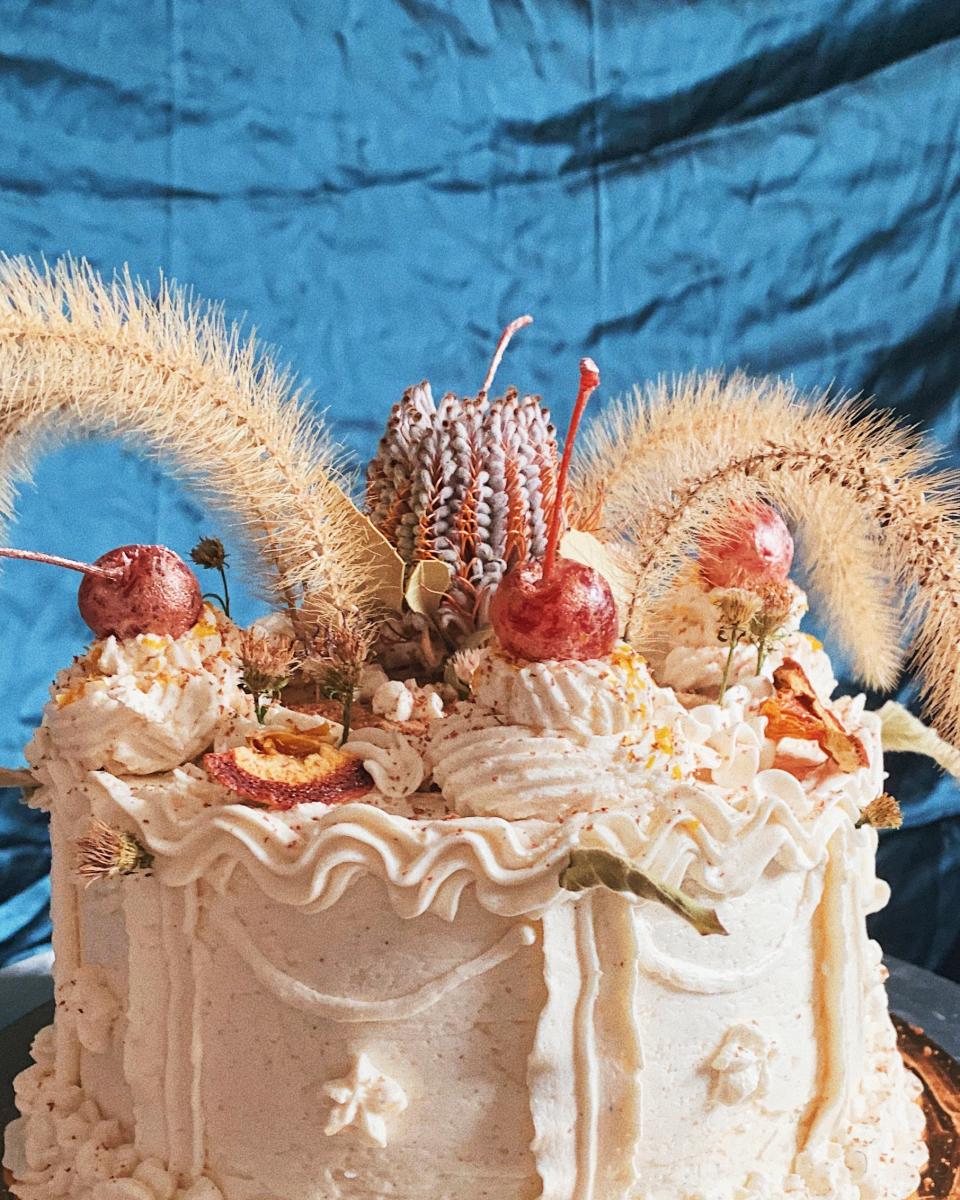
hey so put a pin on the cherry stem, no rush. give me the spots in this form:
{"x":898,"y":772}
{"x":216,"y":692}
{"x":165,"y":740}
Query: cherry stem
{"x":55,"y":561}
{"x":589,"y":382}
{"x":505,"y":337}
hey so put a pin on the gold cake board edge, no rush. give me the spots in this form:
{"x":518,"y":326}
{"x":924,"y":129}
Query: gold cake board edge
{"x":940,"y":1076}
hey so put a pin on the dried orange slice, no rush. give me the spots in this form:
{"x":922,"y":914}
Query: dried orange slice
{"x":281,"y":768}
{"x":797,"y":712}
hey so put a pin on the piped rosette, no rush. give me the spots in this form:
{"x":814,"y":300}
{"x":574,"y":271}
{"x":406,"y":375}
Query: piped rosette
{"x":549,"y":738}
{"x":142,"y":704}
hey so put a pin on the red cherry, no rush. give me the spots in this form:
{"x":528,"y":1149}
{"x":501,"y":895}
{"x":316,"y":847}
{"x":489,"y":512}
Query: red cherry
{"x":558,"y":608}
{"x":131,"y":590}
{"x":570,"y":614}
{"x":756,"y":549}
{"x":149,"y":590}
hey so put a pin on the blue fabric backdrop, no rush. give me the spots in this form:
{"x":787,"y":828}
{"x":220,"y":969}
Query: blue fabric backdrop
{"x":381,"y":186}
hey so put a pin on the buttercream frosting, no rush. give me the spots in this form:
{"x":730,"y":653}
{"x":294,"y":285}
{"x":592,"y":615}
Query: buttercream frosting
{"x":406,"y":974}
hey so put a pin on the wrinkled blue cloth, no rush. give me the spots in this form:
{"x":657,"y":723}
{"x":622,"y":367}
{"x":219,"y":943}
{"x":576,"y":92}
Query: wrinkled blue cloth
{"x":382,"y":186}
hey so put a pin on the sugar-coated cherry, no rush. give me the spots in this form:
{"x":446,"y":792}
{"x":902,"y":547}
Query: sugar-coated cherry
{"x":558,"y":608}
{"x":756,"y":548}
{"x":569,"y":614}
{"x":149,"y":589}
{"x":131,"y":590}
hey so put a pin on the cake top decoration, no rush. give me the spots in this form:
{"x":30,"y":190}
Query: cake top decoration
{"x":633,"y":588}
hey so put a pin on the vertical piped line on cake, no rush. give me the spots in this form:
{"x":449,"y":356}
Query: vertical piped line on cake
{"x":180,"y":1083}
{"x":584,"y":1070}
{"x":551,"y":1069}
{"x":192,"y":900}
{"x":145,"y":1044}
{"x":619,"y":1050}
{"x":66,"y":944}
{"x":837,"y":963}
{"x":585,"y":1052}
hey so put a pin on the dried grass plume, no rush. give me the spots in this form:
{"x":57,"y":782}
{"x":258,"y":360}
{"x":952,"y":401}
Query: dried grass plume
{"x":82,"y":356}
{"x":877,"y":523}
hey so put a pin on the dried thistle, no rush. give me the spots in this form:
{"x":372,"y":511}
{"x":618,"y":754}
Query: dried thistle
{"x":460,"y":669}
{"x":335,"y":660}
{"x":470,"y":481}
{"x":882,"y":813}
{"x":776,"y":604}
{"x":81,"y":355}
{"x":104,"y":852}
{"x":267,"y":661}
{"x":210,"y":554}
{"x":738,"y":608}
{"x":879,"y":528}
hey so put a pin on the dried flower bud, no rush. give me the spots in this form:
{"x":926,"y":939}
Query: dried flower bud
{"x":776,"y":604}
{"x":209,"y":552}
{"x":465,"y":663}
{"x":336,"y":655}
{"x":267,"y":661}
{"x":882,"y":813}
{"x":335,"y":659}
{"x":104,"y":852}
{"x":737,"y":606}
{"x":460,"y":668}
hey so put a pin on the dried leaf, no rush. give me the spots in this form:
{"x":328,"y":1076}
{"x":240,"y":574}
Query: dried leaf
{"x":427,"y":585}
{"x":383,"y":566}
{"x":599,"y":868}
{"x":797,"y":712}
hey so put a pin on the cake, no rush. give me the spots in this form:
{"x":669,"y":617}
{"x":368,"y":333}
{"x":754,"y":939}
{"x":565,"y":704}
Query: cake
{"x":398,"y":910}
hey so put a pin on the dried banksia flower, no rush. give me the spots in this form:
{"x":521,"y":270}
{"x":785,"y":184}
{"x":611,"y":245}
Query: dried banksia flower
{"x":210,"y":554}
{"x":104,"y":852}
{"x":738,"y":608}
{"x":267,"y":661}
{"x":470,"y":481}
{"x":882,"y":813}
{"x":776,"y":604}
{"x":335,"y":660}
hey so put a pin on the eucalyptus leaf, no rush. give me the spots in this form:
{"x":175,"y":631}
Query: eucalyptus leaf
{"x":600,"y":868}
{"x":384,"y":567}
{"x":426,"y":585}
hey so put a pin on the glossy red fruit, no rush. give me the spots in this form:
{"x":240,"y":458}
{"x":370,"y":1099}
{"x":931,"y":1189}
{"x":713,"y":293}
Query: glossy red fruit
{"x":571,"y":614}
{"x":756,"y":549}
{"x":153,"y":591}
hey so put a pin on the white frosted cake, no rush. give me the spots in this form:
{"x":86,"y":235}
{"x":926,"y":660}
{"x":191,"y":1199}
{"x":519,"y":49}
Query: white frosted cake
{"x":526,"y":853}
{"x":395,"y":996}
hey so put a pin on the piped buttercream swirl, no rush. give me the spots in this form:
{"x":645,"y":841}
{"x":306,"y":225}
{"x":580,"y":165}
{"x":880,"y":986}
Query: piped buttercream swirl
{"x":144,"y":704}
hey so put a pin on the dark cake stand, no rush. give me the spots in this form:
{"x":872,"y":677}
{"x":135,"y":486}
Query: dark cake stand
{"x":928,"y":1026}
